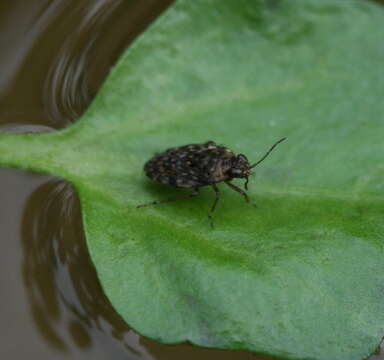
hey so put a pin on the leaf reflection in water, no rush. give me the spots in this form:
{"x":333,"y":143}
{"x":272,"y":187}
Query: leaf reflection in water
{"x":65,"y":297}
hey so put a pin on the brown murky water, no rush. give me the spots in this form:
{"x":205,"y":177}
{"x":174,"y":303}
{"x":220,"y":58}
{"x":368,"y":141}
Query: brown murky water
{"x":54,"y":56}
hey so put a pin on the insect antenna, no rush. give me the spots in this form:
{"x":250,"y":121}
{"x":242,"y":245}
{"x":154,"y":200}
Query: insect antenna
{"x":268,"y":152}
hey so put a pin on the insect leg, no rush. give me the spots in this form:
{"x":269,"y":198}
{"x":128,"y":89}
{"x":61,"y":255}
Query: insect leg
{"x":174,"y":198}
{"x":217,"y":197}
{"x":241,"y":191}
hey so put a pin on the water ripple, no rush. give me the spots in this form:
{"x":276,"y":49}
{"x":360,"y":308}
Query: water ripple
{"x":67,"y":303}
{"x":67,"y":89}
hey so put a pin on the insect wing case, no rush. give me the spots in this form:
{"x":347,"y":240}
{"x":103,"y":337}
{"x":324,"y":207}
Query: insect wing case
{"x":192,"y":165}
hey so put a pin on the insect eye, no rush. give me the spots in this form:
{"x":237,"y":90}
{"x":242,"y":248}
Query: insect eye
{"x":242,"y":158}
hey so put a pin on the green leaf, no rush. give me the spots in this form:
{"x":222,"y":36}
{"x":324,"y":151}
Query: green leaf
{"x":300,"y":276}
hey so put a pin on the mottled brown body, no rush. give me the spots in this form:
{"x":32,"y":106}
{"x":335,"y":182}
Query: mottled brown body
{"x":191,"y":166}
{"x":197,"y":165}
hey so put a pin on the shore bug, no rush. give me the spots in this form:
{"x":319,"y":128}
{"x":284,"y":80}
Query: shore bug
{"x":197,"y":165}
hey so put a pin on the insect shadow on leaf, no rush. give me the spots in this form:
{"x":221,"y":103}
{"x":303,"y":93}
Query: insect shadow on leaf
{"x":197,"y":165}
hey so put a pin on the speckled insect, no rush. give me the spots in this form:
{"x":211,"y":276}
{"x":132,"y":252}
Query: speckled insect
{"x":197,"y":165}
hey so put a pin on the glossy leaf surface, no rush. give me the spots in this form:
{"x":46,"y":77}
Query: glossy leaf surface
{"x":301,"y":275}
